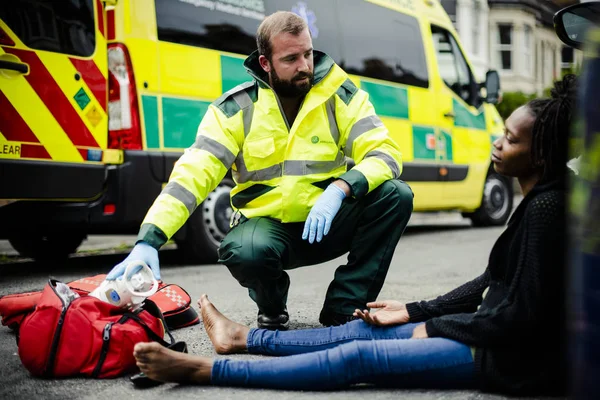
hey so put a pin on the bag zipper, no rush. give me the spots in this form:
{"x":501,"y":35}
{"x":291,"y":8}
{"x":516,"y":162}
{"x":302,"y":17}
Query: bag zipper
{"x":104,"y":350}
{"x":56,"y":338}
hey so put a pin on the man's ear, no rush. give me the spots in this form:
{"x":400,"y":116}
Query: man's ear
{"x":264,"y":63}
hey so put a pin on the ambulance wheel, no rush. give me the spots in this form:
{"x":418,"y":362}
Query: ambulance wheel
{"x":207,"y":227}
{"x":46,"y":247}
{"x":496,"y":204}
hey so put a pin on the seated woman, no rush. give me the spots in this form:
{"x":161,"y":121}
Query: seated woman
{"x":503,"y":331}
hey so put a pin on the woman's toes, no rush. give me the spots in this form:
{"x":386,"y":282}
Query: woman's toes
{"x":144,"y":351}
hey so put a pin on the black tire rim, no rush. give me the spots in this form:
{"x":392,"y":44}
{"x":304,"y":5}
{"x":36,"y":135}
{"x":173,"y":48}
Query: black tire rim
{"x":216,"y":213}
{"x":495,"y":198}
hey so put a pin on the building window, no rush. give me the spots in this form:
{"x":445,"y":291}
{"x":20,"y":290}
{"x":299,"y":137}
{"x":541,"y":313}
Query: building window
{"x":527,"y":49}
{"x":476,"y":25}
{"x":505,"y":46}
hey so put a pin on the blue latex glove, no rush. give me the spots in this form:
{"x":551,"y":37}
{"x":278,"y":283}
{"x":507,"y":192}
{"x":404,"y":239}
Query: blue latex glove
{"x":141,"y":252}
{"x":320,"y":217}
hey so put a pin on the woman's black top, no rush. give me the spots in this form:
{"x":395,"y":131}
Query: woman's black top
{"x":519,"y":328}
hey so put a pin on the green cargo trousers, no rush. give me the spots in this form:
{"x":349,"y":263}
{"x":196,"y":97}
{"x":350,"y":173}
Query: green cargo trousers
{"x":257,"y":251}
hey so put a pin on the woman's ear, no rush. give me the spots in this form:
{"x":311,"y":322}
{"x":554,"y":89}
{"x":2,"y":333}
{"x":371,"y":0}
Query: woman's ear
{"x":264,"y":63}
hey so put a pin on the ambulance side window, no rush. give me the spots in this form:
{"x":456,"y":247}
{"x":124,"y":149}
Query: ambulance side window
{"x":453,"y":67}
{"x":53,"y":25}
{"x":321,"y":18}
{"x":382,"y":44}
{"x":213,"y":25}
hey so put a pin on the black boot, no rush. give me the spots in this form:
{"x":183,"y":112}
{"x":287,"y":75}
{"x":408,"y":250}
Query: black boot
{"x":279,"y":321}
{"x":329,"y":318}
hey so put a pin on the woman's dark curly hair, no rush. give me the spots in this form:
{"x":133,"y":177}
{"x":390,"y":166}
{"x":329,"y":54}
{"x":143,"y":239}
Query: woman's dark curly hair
{"x":552,"y":128}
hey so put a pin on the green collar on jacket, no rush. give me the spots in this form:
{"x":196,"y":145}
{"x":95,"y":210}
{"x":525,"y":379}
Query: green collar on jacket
{"x":322,"y":65}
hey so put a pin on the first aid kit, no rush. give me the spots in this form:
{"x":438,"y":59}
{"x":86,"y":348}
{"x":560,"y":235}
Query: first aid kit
{"x":171,"y":299}
{"x":71,"y":335}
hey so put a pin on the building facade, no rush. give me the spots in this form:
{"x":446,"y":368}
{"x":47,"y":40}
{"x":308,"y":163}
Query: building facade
{"x":514,"y":37}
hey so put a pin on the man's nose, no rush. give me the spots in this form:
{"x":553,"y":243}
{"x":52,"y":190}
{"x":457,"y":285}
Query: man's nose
{"x":303,"y":65}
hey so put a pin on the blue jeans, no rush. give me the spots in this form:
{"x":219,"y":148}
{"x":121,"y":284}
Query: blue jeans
{"x":336,"y":357}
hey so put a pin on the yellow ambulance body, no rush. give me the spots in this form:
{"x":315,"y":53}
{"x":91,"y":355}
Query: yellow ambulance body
{"x":98,"y":99}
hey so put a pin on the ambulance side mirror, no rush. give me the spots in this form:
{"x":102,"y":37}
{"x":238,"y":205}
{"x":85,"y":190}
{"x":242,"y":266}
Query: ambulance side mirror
{"x":492,"y":87}
{"x":572,"y":23}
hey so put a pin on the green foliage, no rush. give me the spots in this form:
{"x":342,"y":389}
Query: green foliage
{"x":511,"y":101}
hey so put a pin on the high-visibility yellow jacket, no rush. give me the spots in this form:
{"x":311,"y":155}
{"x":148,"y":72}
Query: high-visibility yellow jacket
{"x":279,"y":170}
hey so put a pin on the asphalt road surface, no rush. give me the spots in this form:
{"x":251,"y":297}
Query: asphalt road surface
{"x":429,"y":261}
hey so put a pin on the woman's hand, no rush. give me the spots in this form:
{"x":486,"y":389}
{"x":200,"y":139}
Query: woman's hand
{"x":391,"y":313}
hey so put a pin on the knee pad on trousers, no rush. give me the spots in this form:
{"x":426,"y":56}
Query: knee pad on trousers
{"x":398,"y":194}
{"x":247,"y":260}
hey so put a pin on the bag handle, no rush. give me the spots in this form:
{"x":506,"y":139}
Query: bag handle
{"x":151,"y":334}
{"x":153,"y":309}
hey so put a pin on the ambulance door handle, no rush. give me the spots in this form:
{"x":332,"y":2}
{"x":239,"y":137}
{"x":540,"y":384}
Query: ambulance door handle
{"x":450,"y":114}
{"x":14,"y":66}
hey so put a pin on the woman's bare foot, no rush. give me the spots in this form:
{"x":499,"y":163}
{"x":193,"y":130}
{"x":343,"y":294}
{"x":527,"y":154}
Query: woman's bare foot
{"x":226,"y":336}
{"x":165,"y":365}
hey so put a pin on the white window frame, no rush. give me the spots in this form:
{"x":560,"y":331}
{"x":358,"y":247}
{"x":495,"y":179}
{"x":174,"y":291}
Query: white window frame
{"x":476,"y":32}
{"x":505,"y":47}
{"x":528,"y":49}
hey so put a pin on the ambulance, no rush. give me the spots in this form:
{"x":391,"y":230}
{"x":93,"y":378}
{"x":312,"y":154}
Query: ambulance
{"x":98,"y":99}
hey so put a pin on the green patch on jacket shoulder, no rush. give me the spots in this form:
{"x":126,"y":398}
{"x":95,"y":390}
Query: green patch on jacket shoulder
{"x":347,"y":91}
{"x":238,"y":98}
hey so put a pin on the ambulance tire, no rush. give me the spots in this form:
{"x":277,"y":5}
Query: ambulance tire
{"x":496,"y":204}
{"x":207,"y":227}
{"x":46,"y":247}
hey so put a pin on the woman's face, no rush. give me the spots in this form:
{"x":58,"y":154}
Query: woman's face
{"x":511,"y":154}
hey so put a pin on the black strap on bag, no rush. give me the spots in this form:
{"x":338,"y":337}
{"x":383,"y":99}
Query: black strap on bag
{"x":153,"y":309}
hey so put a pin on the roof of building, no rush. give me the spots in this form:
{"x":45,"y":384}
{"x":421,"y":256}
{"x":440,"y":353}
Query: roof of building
{"x":543,"y":9}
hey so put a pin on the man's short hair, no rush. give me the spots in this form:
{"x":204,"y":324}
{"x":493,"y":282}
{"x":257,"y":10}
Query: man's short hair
{"x":274,"y":24}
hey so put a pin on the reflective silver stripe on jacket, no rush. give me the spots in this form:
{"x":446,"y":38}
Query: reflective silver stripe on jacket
{"x":216,"y":149}
{"x":389,"y":160}
{"x":361,"y":126}
{"x":182,"y":194}
{"x":290,"y":168}
{"x":242,"y":175}
{"x":333,"y":128}
{"x":244,"y":101}
{"x":309,"y":167}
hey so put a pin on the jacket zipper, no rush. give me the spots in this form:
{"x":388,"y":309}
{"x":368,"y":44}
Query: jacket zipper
{"x":287,"y":124}
{"x":56,"y":338}
{"x":104,"y":350}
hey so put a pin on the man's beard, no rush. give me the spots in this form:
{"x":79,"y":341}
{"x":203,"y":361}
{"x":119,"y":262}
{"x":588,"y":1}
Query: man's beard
{"x":291,"y":88}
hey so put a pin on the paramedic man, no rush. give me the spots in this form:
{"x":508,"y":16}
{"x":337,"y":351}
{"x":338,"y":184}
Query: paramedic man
{"x":287,"y":136}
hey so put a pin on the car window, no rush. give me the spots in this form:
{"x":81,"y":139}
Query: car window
{"x":322,"y":20}
{"x":382,"y":44}
{"x":214,"y":25}
{"x":452,"y":65}
{"x":392,"y":50}
{"x":53,"y":25}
